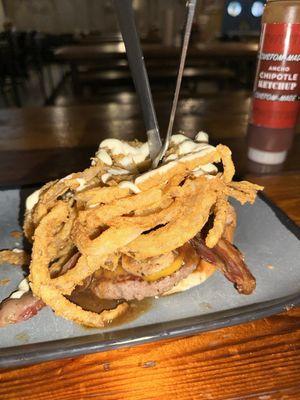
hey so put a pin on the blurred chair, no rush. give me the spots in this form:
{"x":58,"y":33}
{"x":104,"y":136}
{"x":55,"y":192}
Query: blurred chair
{"x":12,"y":67}
{"x":25,"y":56}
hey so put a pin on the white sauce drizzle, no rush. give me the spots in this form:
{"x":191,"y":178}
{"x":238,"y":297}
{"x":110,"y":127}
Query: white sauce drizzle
{"x":189,"y":146}
{"x":105,"y":177}
{"x":171,"y":157}
{"x":159,"y":170}
{"x":137,"y":154}
{"x":94,"y":205}
{"x":17,"y":250}
{"x":66,"y":178}
{"x":177,"y":139}
{"x":104,"y":157}
{"x":198,"y":172}
{"x":32,"y":200}
{"x":127,"y":161}
{"x":82,"y":184}
{"x":202,"y":137}
{"x":197,"y":154}
{"x":22,"y":289}
{"x":129,"y":185}
{"x":145,"y":176}
{"x":120,"y":171}
{"x":182,"y":149}
{"x":205,"y":169}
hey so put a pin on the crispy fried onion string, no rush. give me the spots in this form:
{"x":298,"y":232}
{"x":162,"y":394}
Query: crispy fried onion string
{"x":41,"y":283}
{"x":220,"y":211}
{"x":14,"y":257}
{"x":101,"y":223}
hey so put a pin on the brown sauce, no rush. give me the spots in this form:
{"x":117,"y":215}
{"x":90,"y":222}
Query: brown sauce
{"x":90,"y":302}
{"x":16,"y":234}
{"x":136,"y":309}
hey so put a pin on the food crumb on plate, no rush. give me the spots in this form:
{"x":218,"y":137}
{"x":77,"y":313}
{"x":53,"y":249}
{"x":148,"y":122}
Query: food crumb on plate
{"x":289,"y":307}
{"x":106,"y":366}
{"x":270,"y":266}
{"x":16,"y":234}
{"x":148,"y":364}
{"x":23,"y":337}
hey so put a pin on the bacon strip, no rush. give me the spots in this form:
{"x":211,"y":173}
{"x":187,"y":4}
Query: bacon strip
{"x":229,"y":260}
{"x":224,"y":255}
{"x":17,"y":310}
{"x":235,"y":268}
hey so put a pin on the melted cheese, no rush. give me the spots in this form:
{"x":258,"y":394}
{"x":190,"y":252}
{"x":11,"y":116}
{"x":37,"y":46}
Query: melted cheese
{"x":175,"y":266}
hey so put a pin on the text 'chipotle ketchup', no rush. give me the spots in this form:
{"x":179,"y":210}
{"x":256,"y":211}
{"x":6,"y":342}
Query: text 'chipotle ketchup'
{"x":275,"y":103}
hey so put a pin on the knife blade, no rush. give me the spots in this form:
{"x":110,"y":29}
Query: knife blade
{"x":191,"y":5}
{"x":139,"y":73}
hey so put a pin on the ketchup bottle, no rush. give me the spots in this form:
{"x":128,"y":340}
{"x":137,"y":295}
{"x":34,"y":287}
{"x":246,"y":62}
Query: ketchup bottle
{"x":275,"y":103}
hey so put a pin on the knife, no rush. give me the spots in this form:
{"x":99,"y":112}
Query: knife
{"x":191,"y":5}
{"x":138,"y":70}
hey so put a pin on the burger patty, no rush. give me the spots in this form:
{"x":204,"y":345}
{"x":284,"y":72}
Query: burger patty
{"x":132,"y":287}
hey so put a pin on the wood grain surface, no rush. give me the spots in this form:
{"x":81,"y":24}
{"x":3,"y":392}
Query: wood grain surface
{"x":258,"y":360}
{"x":93,"y":52}
{"x":285,"y":190}
{"x":43,"y":128}
{"x":40,"y":144}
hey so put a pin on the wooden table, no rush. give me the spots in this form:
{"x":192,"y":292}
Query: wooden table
{"x":225,"y":61}
{"x":258,"y":360}
{"x":97,"y":52}
{"x":39,"y":144}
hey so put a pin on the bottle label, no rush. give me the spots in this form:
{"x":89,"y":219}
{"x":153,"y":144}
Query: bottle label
{"x":276,"y":89}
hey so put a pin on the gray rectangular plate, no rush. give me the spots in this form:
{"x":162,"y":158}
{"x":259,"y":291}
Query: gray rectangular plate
{"x":265,"y":234}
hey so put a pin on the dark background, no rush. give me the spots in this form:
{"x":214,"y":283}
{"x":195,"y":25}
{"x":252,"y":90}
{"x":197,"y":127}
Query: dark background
{"x":32,"y":74}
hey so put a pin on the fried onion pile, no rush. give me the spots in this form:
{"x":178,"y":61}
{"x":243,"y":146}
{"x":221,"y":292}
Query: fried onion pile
{"x":81,"y":224}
